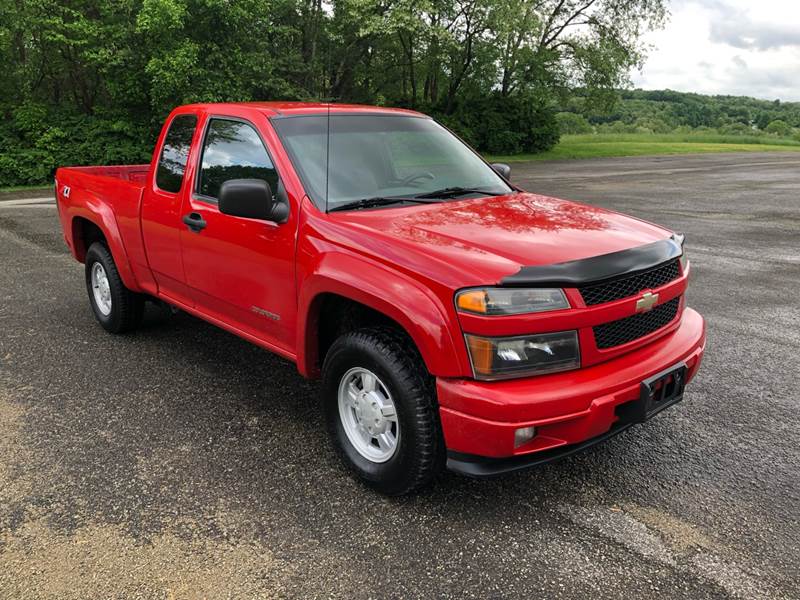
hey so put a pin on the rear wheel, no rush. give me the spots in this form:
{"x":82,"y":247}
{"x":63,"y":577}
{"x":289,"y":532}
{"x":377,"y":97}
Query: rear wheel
{"x":381,"y":410}
{"x":115,"y":307}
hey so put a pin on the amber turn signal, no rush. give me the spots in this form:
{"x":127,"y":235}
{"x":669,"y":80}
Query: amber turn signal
{"x":522,"y":356}
{"x":510,"y":301}
{"x":481,"y":352}
{"x":472,"y":301}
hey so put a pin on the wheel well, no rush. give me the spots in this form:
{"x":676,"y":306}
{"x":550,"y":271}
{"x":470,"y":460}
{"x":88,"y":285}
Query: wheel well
{"x":84,"y":234}
{"x":337,"y":315}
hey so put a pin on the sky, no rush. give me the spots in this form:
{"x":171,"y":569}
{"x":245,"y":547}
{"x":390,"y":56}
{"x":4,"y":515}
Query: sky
{"x":736,"y":47}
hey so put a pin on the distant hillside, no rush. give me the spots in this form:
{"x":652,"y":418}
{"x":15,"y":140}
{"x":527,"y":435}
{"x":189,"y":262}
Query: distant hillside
{"x":666,"y":111}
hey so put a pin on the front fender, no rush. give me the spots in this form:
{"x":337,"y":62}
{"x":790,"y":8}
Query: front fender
{"x":414,"y":306}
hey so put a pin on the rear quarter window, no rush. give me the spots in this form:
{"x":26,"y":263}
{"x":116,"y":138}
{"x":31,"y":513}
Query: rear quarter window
{"x":175,"y":153}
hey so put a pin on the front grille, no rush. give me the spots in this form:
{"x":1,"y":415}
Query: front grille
{"x":616,"y":333}
{"x":630,"y":284}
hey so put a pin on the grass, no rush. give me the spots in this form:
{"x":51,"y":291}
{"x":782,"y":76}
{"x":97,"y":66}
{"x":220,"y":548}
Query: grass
{"x":643,"y":144}
{"x":17,"y":189}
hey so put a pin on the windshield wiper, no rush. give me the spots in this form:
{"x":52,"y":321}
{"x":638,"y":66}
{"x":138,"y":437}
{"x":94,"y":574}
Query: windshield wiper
{"x":452,"y":192}
{"x":379,"y":201}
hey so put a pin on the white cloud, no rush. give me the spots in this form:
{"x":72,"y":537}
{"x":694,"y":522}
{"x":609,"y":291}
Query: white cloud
{"x":737,"y":47}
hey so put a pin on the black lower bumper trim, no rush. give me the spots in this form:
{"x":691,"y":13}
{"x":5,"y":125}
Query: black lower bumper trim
{"x":656,"y":393}
{"x":481,"y":467}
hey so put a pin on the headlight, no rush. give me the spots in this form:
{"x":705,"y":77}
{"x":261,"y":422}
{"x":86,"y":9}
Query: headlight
{"x":503,"y":358}
{"x":681,"y":238}
{"x":510,"y":301}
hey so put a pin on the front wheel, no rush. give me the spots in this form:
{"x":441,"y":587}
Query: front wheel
{"x":116,"y":308}
{"x":381,"y":410}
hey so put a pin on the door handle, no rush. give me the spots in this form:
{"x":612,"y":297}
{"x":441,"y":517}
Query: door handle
{"x":194,"y":222}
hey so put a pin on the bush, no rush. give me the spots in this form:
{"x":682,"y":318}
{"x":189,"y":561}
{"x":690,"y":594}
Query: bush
{"x":616,"y":127}
{"x":779,"y":128}
{"x":504,"y":125}
{"x":736,"y":129}
{"x":570,"y":123}
{"x":503,"y":141}
{"x":43,"y":140}
{"x":652,"y":125}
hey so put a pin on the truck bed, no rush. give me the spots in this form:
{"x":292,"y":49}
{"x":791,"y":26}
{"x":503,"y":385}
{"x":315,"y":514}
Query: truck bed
{"x":110,"y":197}
{"x":132,"y":173}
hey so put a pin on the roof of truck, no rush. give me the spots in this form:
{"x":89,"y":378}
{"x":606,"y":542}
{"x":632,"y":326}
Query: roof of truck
{"x":306,"y":108}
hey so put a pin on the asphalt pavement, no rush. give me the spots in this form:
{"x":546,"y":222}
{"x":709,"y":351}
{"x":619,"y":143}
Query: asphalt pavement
{"x":183,"y":462}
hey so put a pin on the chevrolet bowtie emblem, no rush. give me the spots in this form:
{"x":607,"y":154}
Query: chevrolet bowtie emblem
{"x":646,"y":302}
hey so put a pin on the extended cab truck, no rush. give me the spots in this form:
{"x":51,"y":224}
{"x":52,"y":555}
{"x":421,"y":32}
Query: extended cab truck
{"x":453,"y":318}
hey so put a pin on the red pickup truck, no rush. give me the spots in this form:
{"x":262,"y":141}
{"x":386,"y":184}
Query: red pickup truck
{"x":455,"y":319}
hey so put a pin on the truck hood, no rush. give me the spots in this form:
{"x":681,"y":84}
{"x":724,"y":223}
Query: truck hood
{"x":478,"y":241}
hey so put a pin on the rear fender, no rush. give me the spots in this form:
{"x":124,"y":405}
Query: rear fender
{"x":407,"y":302}
{"x":101,"y":214}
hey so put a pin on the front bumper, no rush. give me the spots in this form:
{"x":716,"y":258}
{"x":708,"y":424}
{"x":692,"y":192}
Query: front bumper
{"x":570,"y":410}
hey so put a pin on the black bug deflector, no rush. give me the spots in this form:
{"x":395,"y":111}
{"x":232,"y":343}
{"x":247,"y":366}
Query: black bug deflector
{"x":596,"y":268}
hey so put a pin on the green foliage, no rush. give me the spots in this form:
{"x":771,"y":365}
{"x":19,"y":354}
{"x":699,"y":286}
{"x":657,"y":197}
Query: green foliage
{"x":40,"y":139}
{"x":504,"y":124}
{"x":652,"y":125}
{"x":572,"y":123}
{"x":736,"y":129}
{"x":779,"y":128}
{"x":89,"y":81}
{"x":664,"y":110}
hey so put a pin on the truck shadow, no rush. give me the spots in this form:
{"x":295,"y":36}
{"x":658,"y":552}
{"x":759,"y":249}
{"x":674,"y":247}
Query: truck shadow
{"x":262,"y":387}
{"x":185,"y":428}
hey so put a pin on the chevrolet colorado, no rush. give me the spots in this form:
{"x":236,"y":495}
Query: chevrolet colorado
{"x":454,"y":319}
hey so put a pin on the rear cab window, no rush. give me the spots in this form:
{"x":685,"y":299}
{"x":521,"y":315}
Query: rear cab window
{"x":232,"y":149}
{"x":175,"y":153}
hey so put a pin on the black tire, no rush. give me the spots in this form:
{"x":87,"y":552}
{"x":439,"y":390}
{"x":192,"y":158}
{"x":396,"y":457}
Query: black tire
{"x":127,"y":307}
{"x":420,"y":453}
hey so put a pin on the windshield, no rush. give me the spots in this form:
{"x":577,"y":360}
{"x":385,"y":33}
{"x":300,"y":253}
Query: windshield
{"x":378,"y":156}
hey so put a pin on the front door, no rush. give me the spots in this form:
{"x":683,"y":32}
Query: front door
{"x":241,"y":271}
{"x":161,"y":209}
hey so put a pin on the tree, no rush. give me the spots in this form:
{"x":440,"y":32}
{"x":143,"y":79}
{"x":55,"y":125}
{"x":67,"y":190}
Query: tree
{"x":591,"y":44}
{"x":779,"y":128}
{"x":104,"y":73}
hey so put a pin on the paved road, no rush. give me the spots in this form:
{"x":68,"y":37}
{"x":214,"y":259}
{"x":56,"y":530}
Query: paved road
{"x":183,"y":462}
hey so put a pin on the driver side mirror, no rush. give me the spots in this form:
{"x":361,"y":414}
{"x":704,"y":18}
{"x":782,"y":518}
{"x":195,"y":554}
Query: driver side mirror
{"x":503,"y":170}
{"x":252,"y":199}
